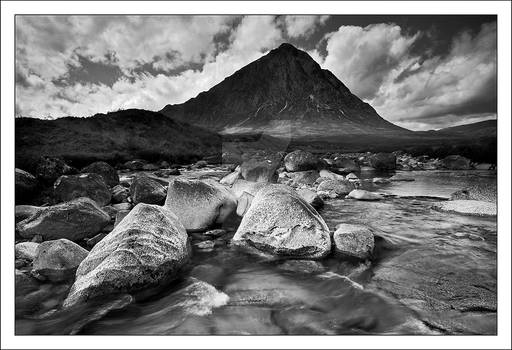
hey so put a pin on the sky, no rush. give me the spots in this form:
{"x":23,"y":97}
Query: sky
{"x":419,"y":72}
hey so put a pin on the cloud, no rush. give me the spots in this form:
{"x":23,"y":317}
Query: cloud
{"x":302,"y":26}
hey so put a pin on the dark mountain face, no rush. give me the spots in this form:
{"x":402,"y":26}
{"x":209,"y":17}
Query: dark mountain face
{"x":283,"y":93}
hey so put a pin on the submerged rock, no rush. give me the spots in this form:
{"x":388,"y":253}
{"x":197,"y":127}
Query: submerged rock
{"x":467,"y":207}
{"x":149,"y":246}
{"x":364,"y":195}
{"x":73,"y":220}
{"x":68,"y":187}
{"x":25,"y":186}
{"x":146,"y":190}
{"x":337,"y":188}
{"x":281,"y":223}
{"x":199,"y":204}
{"x":106,"y":171}
{"x":57,"y":260}
{"x":300,"y":161}
{"x":354,"y":240}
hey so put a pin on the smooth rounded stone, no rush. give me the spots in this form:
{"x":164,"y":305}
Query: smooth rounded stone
{"x":104,"y":169}
{"x":311,"y":197}
{"x":91,"y":242}
{"x":383,"y":161}
{"x":330,"y":175}
{"x":380,"y":180}
{"x":68,"y":187}
{"x":200,"y":204}
{"x":364,"y":195}
{"x":281,"y":223}
{"x":302,"y":266}
{"x":215,"y":233}
{"x":240,"y":186}
{"x":120,"y":194}
{"x":456,"y":162}
{"x":22,"y":212}
{"x":49,"y":169}
{"x":122,"y":206}
{"x":205,"y":245}
{"x":25,"y":185}
{"x":467,"y":207}
{"x":300,"y":161}
{"x":261,"y":168}
{"x":26,"y":250}
{"x":73,"y":220}
{"x":148,"y":247}
{"x":146,"y":190}
{"x":336,"y":187}
{"x":231,"y":178}
{"x":57,"y":260}
{"x":307,"y":177}
{"x":354,"y":240}
{"x":134,"y":164}
{"x":346,"y":165}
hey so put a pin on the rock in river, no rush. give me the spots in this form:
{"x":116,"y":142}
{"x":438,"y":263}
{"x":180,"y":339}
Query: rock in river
{"x":467,"y":207}
{"x":300,"y":160}
{"x":149,"y":246}
{"x":146,"y":190}
{"x":261,"y":169}
{"x":354,"y":240}
{"x":57,"y":260}
{"x":364,"y":195}
{"x":311,"y":197}
{"x":73,"y":220}
{"x":108,"y":173}
{"x":199,"y":204}
{"x":336,"y":187}
{"x":68,"y":187}
{"x":280,"y":222}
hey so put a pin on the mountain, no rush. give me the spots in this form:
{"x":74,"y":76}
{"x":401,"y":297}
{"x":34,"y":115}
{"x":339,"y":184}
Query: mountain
{"x":284,"y":93}
{"x":486,"y":128}
{"x":113,"y":137}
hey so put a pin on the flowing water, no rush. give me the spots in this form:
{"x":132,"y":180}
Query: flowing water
{"x":432,"y":273}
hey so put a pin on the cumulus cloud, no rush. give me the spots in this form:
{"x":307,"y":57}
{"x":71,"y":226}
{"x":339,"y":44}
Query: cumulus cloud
{"x":302,"y":26}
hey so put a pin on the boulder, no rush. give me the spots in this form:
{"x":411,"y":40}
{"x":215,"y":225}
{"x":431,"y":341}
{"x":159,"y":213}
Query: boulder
{"x":134,"y":164}
{"x":307,"y":177}
{"x":120,"y":194}
{"x":199,"y":204}
{"x":150,"y":167}
{"x":456,"y":162}
{"x":383,"y":161}
{"x":364,"y":195}
{"x":336,"y":188}
{"x":57,"y":260}
{"x":73,"y":220}
{"x":25,"y":250}
{"x":467,"y":207}
{"x":330,"y":175}
{"x":25,"y":186}
{"x":22,"y":212}
{"x":230,"y":179}
{"x":68,"y":187}
{"x":104,"y":169}
{"x":300,"y":161}
{"x":281,"y":223}
{"x":49,"y":169}
{"x":356,"y":241}
{"x":147,"y":248}
{"x":311,"y":197}
{"x":345,"y":165}
{"x":146,"y":190}
{"x":261,"y":168}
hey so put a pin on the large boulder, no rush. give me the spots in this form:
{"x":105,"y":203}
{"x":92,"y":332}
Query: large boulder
{"x":49,"y":169}
{"x":147,"y":248}
{"x":383,"y":161}
{"x":108,"y":173}
{"x":336,"y":188}
{"x":22,"y":212}
{"x":356,"y":241}
{"x":300,"y":161}
{"x":146,"y":190}
{"x":281,"y":223}
{"x":199,"y":204}
{"x":68,"y":187}
{"x":261,"y":168}
{"x":73,"y":220}
{"x":25,"y":186}
{"x":456,"y":162}
{"x":57,"y":260}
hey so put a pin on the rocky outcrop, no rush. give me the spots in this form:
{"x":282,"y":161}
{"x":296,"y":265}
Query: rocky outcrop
{"x":73,"y":220}
{"x":57,"y":260}
{"x":300,"y":161}
{"x":108,"y":173}
{"x":146,"y":190}
{"x":68,"y":187}
{"x":383,"y":161}
{"x":148,"y":247}
{"x":456,"y":162}
{"x":467,"y":207}
{"x":281,"y":223}
{"x":356,"y":241}
{"x":199,"y":204}
{"x":336,"y":188}
{"x":25,"y":186}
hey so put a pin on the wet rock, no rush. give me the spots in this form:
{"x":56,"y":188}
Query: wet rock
{"x":336,"y":187}
{"x":304,"y":177}
{"x":25,"y":186}
{"x":26,"y":250}
{"x":281,"y":223}
{"x":300,"y":161}
{"x":73,"y":220}
{"x":149,"y":246}
{"x":57,"y":260}
{"x":330,"y":175}
{"x":49,"y":169}
{"x":383,"y":161}
{"x":231,"y":178}
{"x":364,"y":195}
{"x":456,"y":162}
{"x":354,"y":240}
{"x":346,"y":165}
{"x":134,"y":164}
{"x":120,"y":194}
{"x":200,"y":204}
{"x":261,"y":169}
{"x":108,"y":173}
{"x":311,"y":197}
{"x":22,"y":212}
{"x":467,"y":207}
{"x":146,"y":190}
{"x":68,"y":187}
